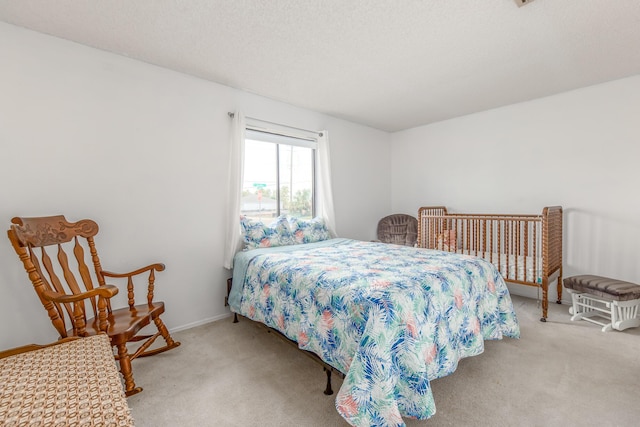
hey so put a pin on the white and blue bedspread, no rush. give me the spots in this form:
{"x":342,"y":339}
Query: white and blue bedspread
{"x":390,"y":317}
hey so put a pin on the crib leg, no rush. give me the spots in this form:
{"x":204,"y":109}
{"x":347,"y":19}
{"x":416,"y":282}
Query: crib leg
{"x":328,"y":391}
{"x":545,"y":300}
{"x":235,"y":318}
{"x":559,"y":289}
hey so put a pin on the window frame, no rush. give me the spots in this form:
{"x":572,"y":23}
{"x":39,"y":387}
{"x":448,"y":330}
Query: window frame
{"x":292,"y":139}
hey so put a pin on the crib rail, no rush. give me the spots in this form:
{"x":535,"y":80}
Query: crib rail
{"x":526,"y":249}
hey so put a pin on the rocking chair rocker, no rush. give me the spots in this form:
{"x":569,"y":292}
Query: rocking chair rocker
{"x":66,"y":300}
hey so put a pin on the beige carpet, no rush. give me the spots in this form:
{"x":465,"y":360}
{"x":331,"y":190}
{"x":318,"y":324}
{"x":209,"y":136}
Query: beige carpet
{"x":560,"y":373}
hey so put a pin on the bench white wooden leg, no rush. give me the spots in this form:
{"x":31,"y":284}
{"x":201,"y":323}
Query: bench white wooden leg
{"x":624,"y":314}
{"x":619,"y":315}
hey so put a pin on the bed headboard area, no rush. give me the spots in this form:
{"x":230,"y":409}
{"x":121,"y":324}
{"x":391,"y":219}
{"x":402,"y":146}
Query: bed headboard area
{"x":526,"y":249}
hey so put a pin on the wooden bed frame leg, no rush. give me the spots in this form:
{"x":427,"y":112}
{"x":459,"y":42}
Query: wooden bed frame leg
{"x":226,"y":299}
{"x":328,"y":391}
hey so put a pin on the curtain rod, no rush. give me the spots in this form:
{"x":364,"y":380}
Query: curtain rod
{"x":279,"y":124}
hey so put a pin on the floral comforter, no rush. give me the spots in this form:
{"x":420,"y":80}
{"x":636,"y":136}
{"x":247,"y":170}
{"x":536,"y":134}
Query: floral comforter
{"x":390,"y":317}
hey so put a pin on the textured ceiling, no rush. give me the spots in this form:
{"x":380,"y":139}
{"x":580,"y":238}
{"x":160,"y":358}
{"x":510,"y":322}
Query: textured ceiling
{"x":389,"y":64}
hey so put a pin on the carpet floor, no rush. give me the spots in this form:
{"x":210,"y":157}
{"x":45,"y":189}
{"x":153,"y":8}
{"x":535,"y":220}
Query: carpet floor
{"x":559,"y":373}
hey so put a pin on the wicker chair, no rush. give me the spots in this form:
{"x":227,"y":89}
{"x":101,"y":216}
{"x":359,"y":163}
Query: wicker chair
{"x":399,"y":229}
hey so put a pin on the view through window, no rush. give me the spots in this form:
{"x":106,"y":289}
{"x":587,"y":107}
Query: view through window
{"x":278,"y":176}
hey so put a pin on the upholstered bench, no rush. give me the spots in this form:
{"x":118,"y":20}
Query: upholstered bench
{"x":73,"y":382}
{"x":613,"y":300}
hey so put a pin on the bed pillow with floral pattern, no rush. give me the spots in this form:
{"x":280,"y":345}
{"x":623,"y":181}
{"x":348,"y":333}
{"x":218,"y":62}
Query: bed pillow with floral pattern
{"x":308,"y":231}
{"x":257,"y":234}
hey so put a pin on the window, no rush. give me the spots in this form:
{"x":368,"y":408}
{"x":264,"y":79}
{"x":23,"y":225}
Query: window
{"x":279,"y":176}
{"x":310,"y":172}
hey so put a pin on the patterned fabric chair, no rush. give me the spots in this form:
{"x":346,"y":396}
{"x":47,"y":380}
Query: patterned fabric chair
{"x":399,"y":229}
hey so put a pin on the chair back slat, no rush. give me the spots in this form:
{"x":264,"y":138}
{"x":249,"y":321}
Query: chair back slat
{"x":48,"y":267}
{"x":53,"y":283}
{"x":95,"y":260}
{"x":72,"y":284}
{"x":78,"y":251}
{"x":69,"y":277}
{"x":85,"y":275}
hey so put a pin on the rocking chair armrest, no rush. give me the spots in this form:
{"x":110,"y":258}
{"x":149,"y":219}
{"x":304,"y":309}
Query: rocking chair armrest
{"x":106,"y":291}
{"x":156,"y":267}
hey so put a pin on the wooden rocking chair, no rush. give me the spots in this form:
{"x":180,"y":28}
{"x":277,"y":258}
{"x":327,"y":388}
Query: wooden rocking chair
{"x":68,"y":300}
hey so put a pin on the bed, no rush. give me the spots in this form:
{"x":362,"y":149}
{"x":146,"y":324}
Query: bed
{"x":526,"y":249}
{"x":390,"y":318}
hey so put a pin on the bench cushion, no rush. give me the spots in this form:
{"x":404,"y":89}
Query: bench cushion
{"x":603,"y":287}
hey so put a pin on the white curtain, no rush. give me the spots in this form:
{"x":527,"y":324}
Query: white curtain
{"x":325,"y":192}
{"x":233,"y":238}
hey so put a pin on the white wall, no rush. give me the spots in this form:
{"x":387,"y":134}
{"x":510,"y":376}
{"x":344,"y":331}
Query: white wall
{"x":143,"y":151}
{"x":580,"y":149}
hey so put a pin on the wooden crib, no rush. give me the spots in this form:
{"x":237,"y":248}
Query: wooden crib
{"x":526,"y":249}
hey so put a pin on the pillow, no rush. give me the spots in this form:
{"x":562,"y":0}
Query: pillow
{"x":258,"y":235}
{"x":308,"y":231}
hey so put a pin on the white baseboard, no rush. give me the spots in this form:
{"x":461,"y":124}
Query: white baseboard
{"x":200,"y":322}
{"x":536,"y":293}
